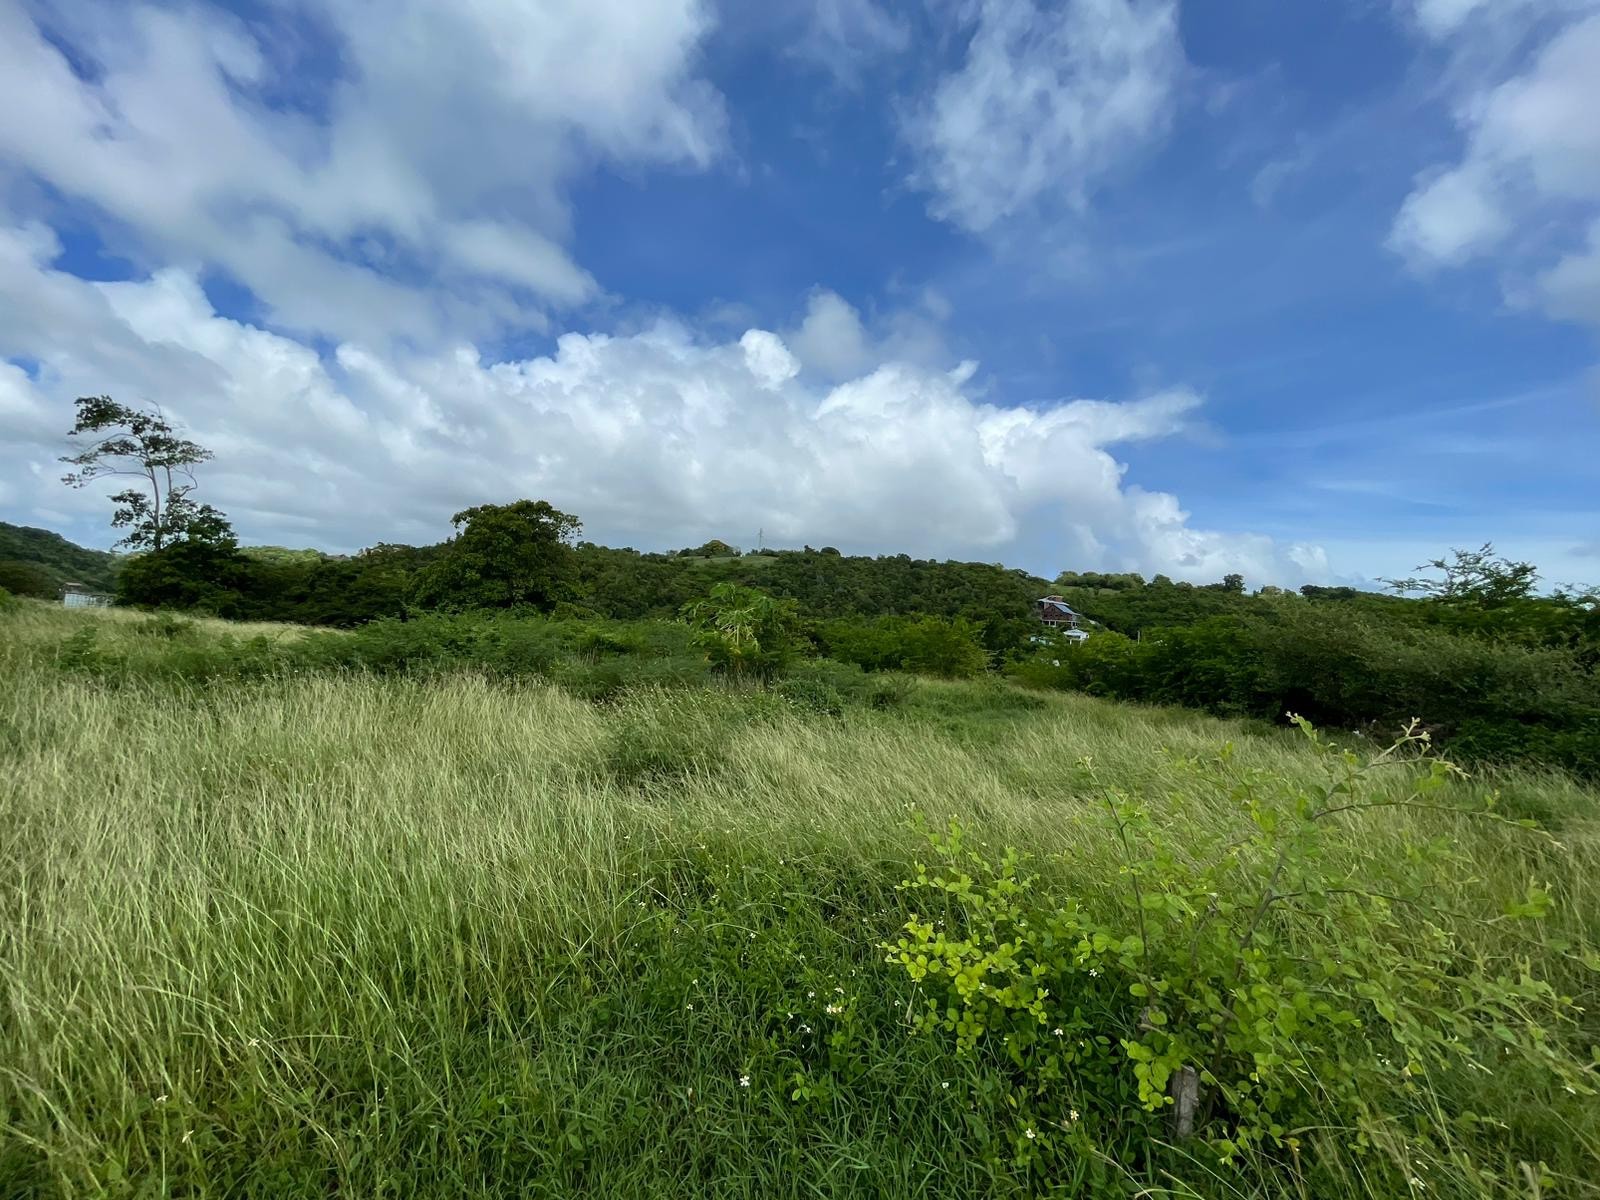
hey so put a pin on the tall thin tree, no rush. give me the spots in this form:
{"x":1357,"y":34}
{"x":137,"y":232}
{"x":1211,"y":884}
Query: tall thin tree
{"x":141,"y":442}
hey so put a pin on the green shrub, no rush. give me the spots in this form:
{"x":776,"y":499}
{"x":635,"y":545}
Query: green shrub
{"x":664,"y":673}
{"x":80,"y":652}
{"x":1292,"y":992}
{"x":597,"y":682}
{"x":1486,"y":700}
{"x":813,"y":695}
{"x":888,"y":691}
{"x":167,"y":627}
{"x":743,"y":631}
{"x":947,"y":647}
{"x":822,"y":686}
{"x":650,"y":742}
{"x":601,"y":639}
{"x":519,"y":648}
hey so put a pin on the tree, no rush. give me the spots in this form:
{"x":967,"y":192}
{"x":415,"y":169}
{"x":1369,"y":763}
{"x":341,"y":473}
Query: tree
{"x":1473,"y":577}
{"x":935,"y":646}
{"x":141,"y":443}
{"x":189,"y":573}
{"x":503,"y":555}
{"x":743,"y":631}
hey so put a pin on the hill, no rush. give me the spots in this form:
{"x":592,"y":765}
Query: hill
{"x":36,"y":562}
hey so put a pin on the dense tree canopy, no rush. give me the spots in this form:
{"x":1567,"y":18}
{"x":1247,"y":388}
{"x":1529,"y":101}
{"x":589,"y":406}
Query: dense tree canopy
{"x":504,"y":555}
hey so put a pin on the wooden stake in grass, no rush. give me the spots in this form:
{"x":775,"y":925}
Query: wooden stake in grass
{"x":1184,"y":1088}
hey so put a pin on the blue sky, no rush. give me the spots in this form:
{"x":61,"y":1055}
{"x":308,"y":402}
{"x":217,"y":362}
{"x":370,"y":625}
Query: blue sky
{"x":1306,"y":291}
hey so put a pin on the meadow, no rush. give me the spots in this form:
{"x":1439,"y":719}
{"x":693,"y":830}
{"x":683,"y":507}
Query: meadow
{"x":323,"y":928}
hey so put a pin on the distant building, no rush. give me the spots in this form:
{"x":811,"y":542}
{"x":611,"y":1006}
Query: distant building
{"x":1055,"y":613}
{"x":75,"y":595}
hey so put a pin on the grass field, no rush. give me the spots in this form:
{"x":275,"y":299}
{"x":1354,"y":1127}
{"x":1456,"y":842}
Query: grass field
{"x":346,"y":935}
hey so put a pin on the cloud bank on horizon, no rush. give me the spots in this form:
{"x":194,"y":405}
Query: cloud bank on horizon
{"x":849,"y":275}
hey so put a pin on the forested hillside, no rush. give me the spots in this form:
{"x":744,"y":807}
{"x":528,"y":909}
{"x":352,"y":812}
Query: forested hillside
{"x":36,"y":562}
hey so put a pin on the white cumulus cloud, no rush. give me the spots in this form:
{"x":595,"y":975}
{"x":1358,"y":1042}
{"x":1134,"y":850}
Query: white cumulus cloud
{"x":657,"y":438}
{"x":1048,"y":101}
{"x":441,"y":148}
{"x":1525,"y":193}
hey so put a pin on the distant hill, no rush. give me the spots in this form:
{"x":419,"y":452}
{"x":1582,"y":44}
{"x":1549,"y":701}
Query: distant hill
{"x":36,"y":562}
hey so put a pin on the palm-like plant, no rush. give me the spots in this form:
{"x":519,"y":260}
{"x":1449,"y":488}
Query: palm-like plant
{"x":744,"y":631}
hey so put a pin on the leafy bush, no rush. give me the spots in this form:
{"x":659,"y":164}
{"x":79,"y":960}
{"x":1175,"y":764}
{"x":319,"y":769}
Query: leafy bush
{"x":951,"y":648}
{"x":743,"y":631}
{"x":1258,"y":988}
{"x":1485,"y":699}
{"x":167,"y":627}
{"x":597,"y":682}
{"x":812,"y":694}
{"x":889,"y":690}
{"x":651,"y":743}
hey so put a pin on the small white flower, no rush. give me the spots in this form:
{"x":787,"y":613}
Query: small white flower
{"x":1029,"y":1134}
{"x":1072,"y":1114}
{"x":744,"y":1081}
{"x":161,"y":1099}
{"x":840,"y":990}
{"x":688,"y":1008}
{"x":945,"y":1085}
{"x":834,"y":1010}
{"x":811,"y":995}
{"x":1059,"y":1032}
{"x":752,"y":936}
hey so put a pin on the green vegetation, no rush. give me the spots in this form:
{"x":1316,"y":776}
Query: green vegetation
{"x":1496,"y":672}
{"x":504,"y":556}
{"x":36,"y":562}
{"x":487,"y":906}
{"x":159,"y":510}
{"x":1493,"y":677}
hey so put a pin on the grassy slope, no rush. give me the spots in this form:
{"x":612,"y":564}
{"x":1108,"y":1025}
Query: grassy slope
{"x":386,"y":937}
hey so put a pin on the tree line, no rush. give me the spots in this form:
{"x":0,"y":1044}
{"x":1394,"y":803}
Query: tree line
{"x":1472,"y":645}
